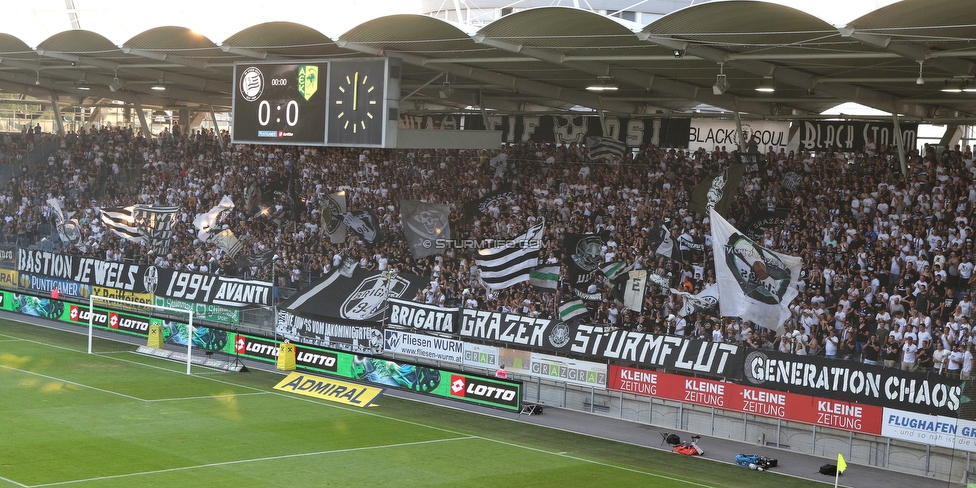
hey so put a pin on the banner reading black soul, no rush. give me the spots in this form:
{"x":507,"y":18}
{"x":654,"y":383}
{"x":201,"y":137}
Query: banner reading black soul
{"x":599,"y":343}
{"x":448,"y":384}
{"x":850,"y":381}
{"x":345,"y":335}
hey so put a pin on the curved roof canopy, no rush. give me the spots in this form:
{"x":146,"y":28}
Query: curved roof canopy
{"x":543,"y":60}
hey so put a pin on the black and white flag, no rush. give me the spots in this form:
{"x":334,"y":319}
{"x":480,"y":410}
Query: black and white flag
{"x":704,"y":302}
{"x":717,"y":190}
{"x":606,"y":148}
{"x":423,"y":225}
{"x":66,"y":226}
{"x":663,"y":244}
{"x":634,"y":289}
{"x":157,"y":226}
{"x":255,"y":260}
{"x":504,"y":266}
{"x":365,"y":223}
{"x":333,"y":207}
{"x":754,"y":283}
{"x":207,"y":222}
{"x":121,"y":221}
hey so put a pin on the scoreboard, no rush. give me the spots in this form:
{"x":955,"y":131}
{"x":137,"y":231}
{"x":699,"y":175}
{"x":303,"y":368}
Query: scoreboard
{"x":348,"y":102}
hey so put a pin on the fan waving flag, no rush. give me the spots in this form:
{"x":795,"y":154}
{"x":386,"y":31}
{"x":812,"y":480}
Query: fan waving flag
{"x":717,"y":190}
{"x":573,"y":310}
{"x":606,"y":148}
{"x":545,"y":277}
{"x":504,"y":266}
{"x":754,"y":283}
{"x":121,"y":221}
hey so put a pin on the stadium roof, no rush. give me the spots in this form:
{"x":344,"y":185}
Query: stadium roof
{"x":543,"y":60}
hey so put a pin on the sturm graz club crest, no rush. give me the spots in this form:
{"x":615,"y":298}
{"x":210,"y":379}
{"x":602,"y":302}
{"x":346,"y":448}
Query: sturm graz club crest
{"x":368,"y":300}
{"x":560,"y":335}
{"x":332,"y":215}
{"x":762,"y":275}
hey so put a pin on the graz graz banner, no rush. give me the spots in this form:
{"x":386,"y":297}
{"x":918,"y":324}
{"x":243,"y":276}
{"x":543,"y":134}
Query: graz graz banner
{"x":849,"y":136}
{"x":854,"y":382}
{"x":549,"y":367}
{"x":422,"y":318}
{"x":597,"y":343}
{"x":345,"y":335}
{"x":140,"y":279}
{"x":746,"y":399}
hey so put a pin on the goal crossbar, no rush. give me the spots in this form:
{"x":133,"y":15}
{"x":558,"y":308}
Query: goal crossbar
{"x":136,"y":305}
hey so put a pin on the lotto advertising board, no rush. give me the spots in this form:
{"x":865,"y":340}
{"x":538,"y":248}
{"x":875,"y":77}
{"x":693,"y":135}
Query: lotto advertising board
{"x":740,"y":398}
{"x":468,"y":388}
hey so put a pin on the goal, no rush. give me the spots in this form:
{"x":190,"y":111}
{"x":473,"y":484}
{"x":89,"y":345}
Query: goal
{"x":115,"y":321}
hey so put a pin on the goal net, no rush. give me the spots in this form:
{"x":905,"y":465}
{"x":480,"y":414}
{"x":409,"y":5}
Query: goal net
{"x":116,"y":325}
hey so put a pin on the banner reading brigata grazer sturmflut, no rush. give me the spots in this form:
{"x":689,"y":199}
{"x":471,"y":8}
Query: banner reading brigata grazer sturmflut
{"x":854,"y":382}
{"x":598,"y":342}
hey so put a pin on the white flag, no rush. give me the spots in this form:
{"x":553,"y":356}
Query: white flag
{"x":636,"y":286}
{"x":754,"y":283}
{"x":206,"y":222}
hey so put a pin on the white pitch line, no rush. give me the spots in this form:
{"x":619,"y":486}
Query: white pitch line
{"x":254,"y":460}
{"x":53,"y":378}
{"x":12,"y":482}
{"x":208,"y":397}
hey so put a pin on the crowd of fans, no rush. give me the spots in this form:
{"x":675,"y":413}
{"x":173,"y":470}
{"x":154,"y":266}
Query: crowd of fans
{"x":888,"y":257}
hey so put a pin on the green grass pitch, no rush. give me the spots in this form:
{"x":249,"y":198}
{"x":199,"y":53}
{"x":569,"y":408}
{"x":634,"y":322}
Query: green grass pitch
{"x":72,"y":419}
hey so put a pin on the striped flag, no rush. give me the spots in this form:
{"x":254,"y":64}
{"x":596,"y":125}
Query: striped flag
{"x":121,"y":221}
{"x":574,"y":309}
{"x":545,"y":277}
{"x":606,"y":148}
{"x":614,"y":270}
{"x":504,"y":266}
{"x":156,"y":225}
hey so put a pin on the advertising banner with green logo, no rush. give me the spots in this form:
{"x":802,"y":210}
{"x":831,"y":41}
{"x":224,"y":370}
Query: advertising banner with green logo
{"x":452,"y":385}
{"x":204,"y":311}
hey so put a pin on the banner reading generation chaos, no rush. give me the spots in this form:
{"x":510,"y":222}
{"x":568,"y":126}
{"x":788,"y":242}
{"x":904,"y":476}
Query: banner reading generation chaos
{"x":138,"y":279}
{"x":464,"y":387}
{"x":599,"y":343}
{"x":854,"y":382}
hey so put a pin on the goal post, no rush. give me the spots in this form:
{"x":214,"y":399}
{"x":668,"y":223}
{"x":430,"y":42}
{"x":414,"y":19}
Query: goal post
{"x":114,"y":321}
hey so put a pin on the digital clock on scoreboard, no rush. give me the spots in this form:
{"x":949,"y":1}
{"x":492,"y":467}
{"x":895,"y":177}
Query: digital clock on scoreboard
{"x":278,"y":103}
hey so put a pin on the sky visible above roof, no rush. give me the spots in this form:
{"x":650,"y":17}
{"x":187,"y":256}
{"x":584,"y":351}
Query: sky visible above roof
{"x":119,"y":20}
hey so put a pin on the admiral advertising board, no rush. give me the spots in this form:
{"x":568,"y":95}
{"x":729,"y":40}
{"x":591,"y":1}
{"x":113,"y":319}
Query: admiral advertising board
{"x":596,"y":343}
{"x":854,"y":382}
{"x":420,"y":317}
{"x":453,"y":385}
{"x":345,"y":335}
{"x":755,"y":401}
{"x":424,"y":346}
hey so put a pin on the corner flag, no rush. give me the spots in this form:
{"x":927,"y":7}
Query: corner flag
{"x":841,"y":464}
